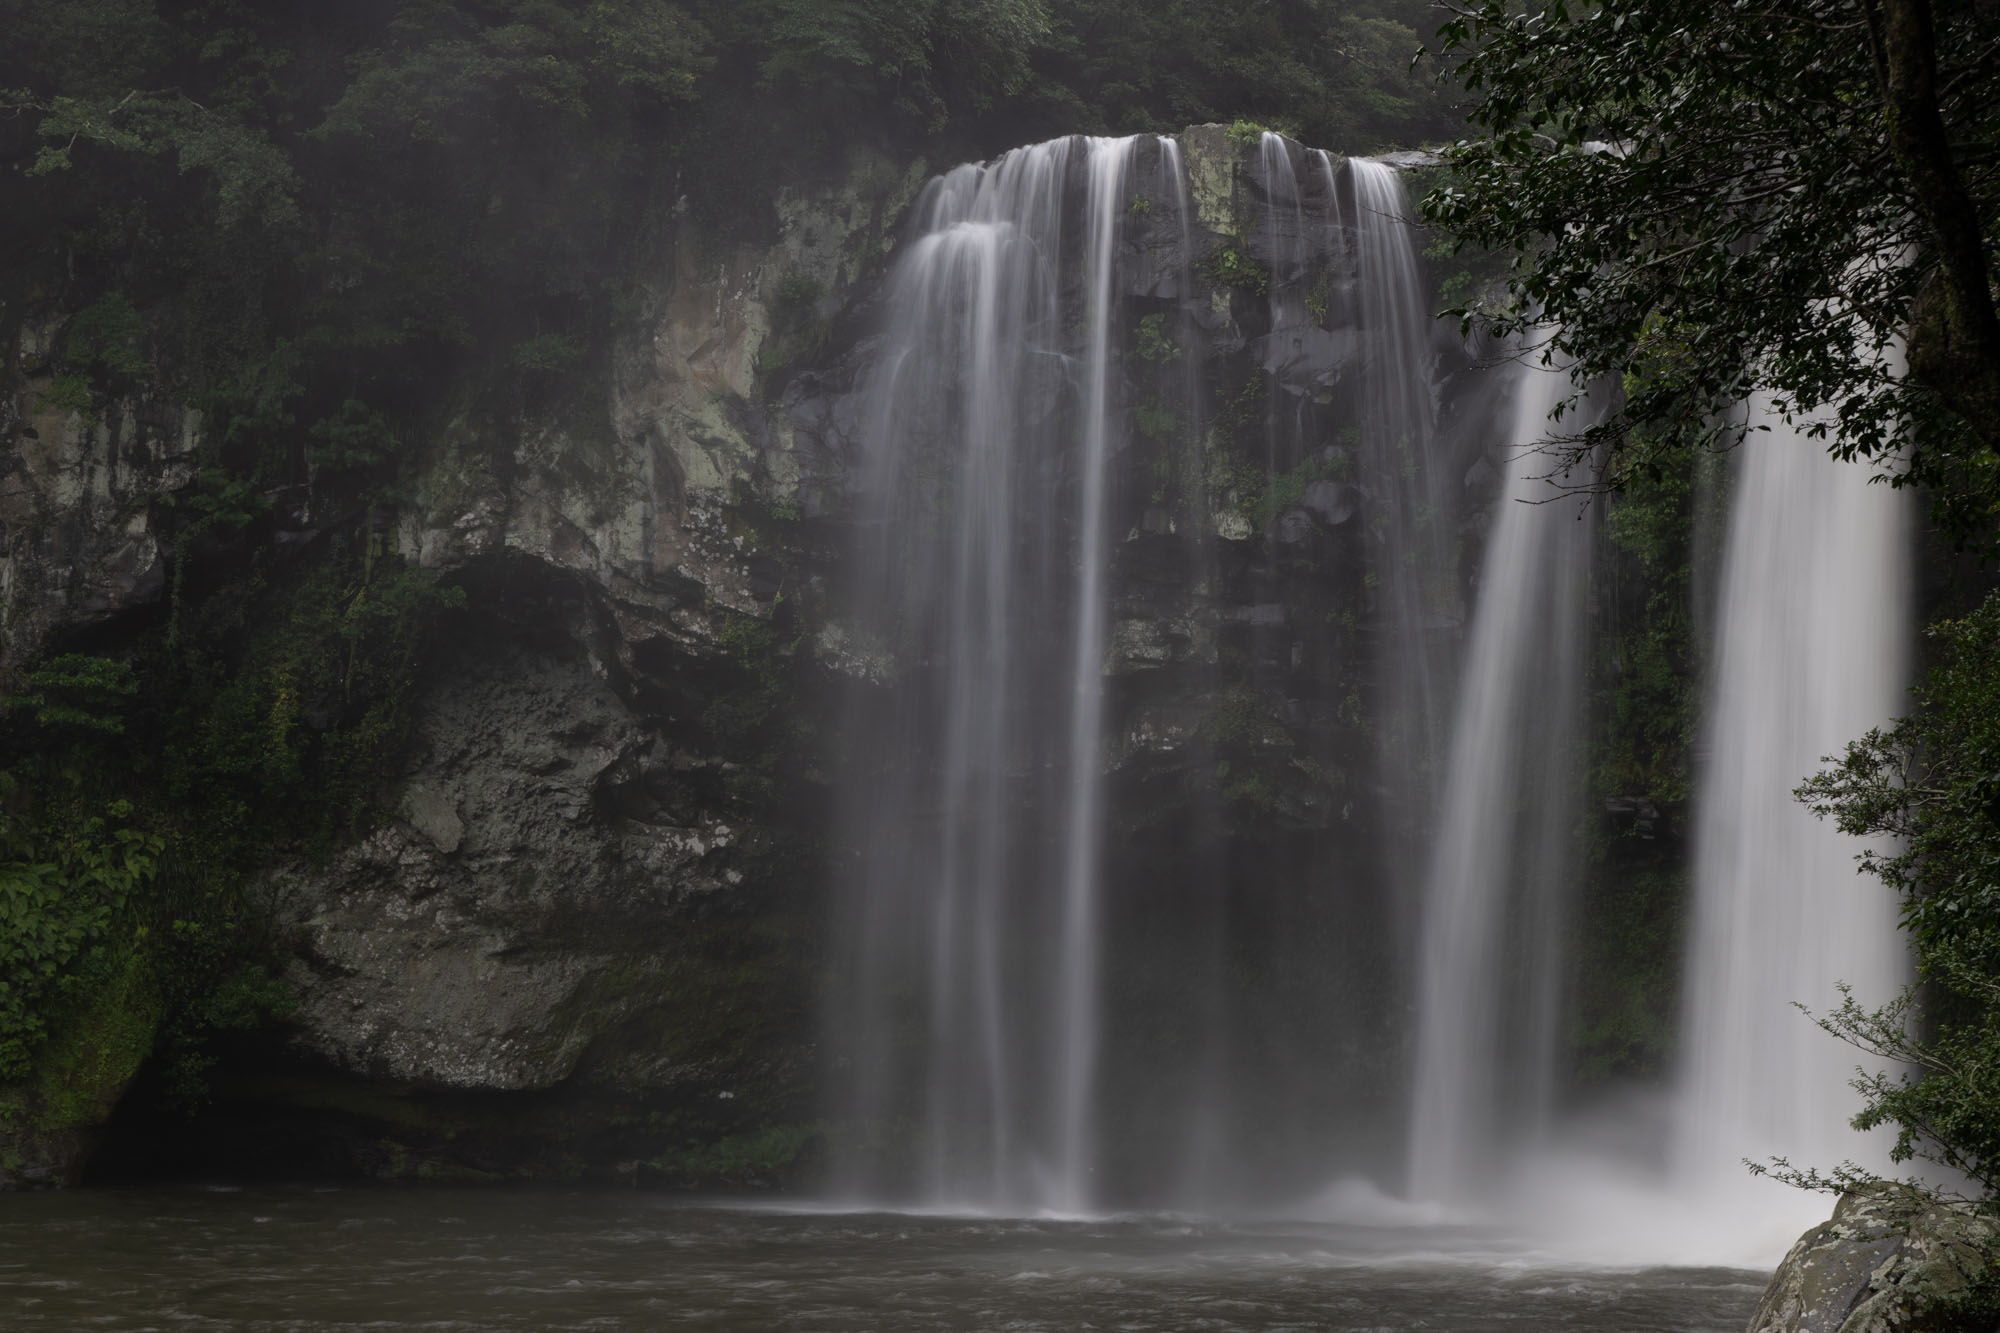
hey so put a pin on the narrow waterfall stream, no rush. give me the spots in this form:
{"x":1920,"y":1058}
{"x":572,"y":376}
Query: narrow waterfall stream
{"x":1814,"y":618}
{"x":1503,"y":864}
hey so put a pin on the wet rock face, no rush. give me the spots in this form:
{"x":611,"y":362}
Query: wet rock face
{"x":1889,"y":1261}
{"x":452,"y":947}
{"x":78,"y":543}
{"x":576,"y":939}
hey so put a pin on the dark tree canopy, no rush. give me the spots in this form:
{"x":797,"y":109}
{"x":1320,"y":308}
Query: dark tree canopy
{"x":316,"y":214}
{"x":1782,"y":194}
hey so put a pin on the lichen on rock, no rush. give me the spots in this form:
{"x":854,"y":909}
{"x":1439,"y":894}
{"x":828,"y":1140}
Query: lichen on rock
{"x":1890,"y":1260}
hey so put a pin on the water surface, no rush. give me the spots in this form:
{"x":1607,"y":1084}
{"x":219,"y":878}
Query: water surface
{"x":302,"y":1260}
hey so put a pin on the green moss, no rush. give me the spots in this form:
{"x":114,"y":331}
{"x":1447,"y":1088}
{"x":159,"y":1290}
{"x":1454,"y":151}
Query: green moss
{"x":761,"y":1157}
{"x":96,"y":1045}
{"x":267,"y":722}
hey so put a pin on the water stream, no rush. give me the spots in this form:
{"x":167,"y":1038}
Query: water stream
{"x":1811,"y":651}
{"x":975,"y":903}
{"x":1504,"y":863}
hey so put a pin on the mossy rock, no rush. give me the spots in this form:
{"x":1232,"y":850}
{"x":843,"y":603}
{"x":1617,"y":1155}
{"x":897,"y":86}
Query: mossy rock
{"x":1891,"y":1260}
{"x":49,"y":1122}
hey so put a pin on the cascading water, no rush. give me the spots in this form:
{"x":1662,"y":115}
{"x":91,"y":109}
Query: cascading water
{"x":1502,"y":866}
{"x":990,"y":421}
{"x":1010,"y":985}
{"x":1813,"y":616}
{"x":1015,"y":981}
{"x":1401,"y":433}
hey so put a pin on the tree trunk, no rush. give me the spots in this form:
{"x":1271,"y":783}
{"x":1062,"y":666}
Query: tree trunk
{"x":1956,"y":355}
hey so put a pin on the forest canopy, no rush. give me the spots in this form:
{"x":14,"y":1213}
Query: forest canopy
{"x":308,"y":214}
{"x":1709,"y":199}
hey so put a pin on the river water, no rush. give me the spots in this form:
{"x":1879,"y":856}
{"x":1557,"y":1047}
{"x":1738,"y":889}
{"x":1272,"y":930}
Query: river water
{"x":305,"y":1260}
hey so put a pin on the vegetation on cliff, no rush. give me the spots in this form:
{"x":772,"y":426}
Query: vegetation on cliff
{"x":141,"y":793}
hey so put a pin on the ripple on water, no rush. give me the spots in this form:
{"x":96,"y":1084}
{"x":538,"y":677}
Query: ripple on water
{"x":299,"y":1261}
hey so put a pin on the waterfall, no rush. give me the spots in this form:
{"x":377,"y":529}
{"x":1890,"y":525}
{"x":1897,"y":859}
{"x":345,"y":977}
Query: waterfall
{"x":1077,"y":1004}
{"x":972,"y":992}
{"x":1009,"y":985}
{"x":1813,"y":615}
{"x":1397,"y":317}
{"x":1502,"y":864}
{"x":1023,"y":1022}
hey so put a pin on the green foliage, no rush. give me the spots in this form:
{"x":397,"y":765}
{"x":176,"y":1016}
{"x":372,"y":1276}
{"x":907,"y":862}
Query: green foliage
{"x":66,"y":878}
{"x":70,"y":392}
{"x":1930,"y":786}
{"x":102,"y":1027}
{"x":1628,"y":954}
{"x":928,"y":58}
{"x":1976,"y":1309}
{"x":549,"y":353}
{"x":283,"y":742}
{"x":757,"y":1158}
{"x":107,"y":337}
{"x":266,"y":723}
{"x":78,"y":690}
{"x":1246,"y":135}
{"x":354,"y":439}
{"x":1728,"y":178}
{"x":444,"y":68}
{"x":1152,"y":342}
{"x":798,"y":331}
{"x":249,"y":176}
{"x":1230,"y":265}
{"x":1336,"y":73}
{"x":1650,"y":668}
{"x":1156,"y":423}
{"x":103,"y":353}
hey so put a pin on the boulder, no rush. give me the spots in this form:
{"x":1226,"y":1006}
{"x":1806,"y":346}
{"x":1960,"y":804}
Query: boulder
{"x":1890,"y":1259}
